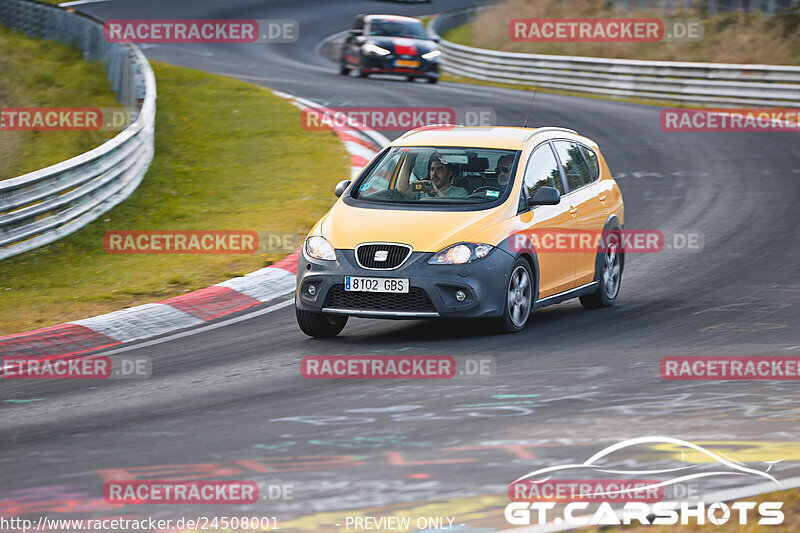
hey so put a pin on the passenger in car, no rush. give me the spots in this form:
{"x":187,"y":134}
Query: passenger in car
{"x":503,"y":169}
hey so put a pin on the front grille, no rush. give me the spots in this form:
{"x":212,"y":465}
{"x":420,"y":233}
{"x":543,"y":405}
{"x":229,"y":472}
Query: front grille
{"x":416,"y":300}
{"x":396,"y":254}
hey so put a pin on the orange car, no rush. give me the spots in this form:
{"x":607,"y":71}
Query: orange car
{"x":449,"y":221}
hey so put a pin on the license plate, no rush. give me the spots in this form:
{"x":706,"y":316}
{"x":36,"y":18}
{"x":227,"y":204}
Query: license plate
{"x":406,"y":63}
{"x":358,"y":284}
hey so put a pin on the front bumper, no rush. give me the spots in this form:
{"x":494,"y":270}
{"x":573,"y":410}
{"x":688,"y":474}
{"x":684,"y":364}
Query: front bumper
{"x":431,"y":294}
{"x":386,"y":65}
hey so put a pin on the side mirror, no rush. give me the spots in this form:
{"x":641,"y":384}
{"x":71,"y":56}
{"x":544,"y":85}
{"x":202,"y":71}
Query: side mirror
{"x":344,"y":184}
{"x":546,"y":196}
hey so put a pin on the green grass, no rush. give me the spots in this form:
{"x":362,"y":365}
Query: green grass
{"x":229,"y":156}
{"x":736,"y":37}
{"x":38,"y":73}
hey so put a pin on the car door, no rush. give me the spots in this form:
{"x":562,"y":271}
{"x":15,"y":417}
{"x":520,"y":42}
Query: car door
{"x":556,"y":267}
{"x":584,"y":199}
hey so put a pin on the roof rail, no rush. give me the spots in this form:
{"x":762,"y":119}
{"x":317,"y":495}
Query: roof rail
{"x":430,"y":127}
{"x":545,"y":128}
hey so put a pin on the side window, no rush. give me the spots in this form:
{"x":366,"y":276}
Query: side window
{"x":542,"y":170}
{"x":591,"y":160}
{"x":575,"y":167}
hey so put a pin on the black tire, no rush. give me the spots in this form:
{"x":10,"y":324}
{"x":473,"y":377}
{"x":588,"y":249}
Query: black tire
{"x":320,"y":325}
{"x":343,"y":69}
{"x":517,"y":311}
{"x":410,"y":78}
{"x":433,"y":80}
{"x":609,"y":275}
{"x":360,"y":71}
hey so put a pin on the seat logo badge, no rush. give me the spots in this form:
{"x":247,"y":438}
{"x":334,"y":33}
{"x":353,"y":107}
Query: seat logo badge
{"x":381,"y":255}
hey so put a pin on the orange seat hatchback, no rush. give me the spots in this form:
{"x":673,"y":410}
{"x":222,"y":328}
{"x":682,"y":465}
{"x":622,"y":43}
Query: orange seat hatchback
{"x":458,"y":222}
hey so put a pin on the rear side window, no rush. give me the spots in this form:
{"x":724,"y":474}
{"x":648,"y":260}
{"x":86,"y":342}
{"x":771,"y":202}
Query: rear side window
{"x":591,"y":160}
{"x":541,"y":171}
{"x":575,"y":167}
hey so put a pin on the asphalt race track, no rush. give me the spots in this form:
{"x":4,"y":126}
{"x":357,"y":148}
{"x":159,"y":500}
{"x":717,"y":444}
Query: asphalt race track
{"x":231,"y":400}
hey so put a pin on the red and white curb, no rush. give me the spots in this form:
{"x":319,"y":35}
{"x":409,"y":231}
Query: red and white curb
{"x":187,"y":310}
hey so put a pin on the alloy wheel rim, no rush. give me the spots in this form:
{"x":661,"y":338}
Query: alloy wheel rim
{"x":611,"y":271}
{"x":519,"y":296}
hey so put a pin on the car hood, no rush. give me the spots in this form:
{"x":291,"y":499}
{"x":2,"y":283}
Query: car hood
{"x":347,"y":226}
{"x":404,"y":45}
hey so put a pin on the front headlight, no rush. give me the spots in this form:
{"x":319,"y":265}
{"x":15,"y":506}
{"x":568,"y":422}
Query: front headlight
{"x":433,"y":54}
{"x":319,"y":248}
{"x":461,"y":253}
{"x":371,"y":48}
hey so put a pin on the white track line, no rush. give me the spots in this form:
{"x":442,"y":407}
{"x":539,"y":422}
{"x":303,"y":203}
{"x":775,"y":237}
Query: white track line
{"x":80,"y":2}
{"x":201,"y":329}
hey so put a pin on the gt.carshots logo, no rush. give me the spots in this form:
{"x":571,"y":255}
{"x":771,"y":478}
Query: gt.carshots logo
{"x":545,"y":497}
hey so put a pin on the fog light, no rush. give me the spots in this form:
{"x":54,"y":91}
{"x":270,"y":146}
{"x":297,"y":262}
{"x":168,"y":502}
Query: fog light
{"x":461,"y":296}
{"x":312,"y":290}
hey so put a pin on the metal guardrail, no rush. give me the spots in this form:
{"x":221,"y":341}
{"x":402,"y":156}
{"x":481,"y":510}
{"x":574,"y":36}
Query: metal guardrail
{"x":43,"y":206}
{"x":695,"y":83}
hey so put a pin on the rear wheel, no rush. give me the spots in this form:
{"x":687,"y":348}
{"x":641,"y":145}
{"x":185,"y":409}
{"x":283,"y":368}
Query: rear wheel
{"x":610,"y":278}
{"x":320,"y":325}
{"x":343,"y":70}
{"x":410,"y":78}
{"x":433,"y":80}
{"x":519,"y":297}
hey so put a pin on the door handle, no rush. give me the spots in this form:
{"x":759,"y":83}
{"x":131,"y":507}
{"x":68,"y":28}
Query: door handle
{"x":573,"y":210}
{"x":602,"y":197}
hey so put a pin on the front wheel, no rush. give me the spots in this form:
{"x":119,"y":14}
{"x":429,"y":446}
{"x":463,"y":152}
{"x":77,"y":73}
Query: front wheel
{"x":320,"y":325}
{"x":343,"y":70}
{"x":433,"y":80}
{"x":519,"y":297}
{"x":610,"y":279}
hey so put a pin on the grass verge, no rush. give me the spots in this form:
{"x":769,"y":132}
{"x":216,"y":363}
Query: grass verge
{"x":229,"y":156}
{"x":737,"y":37}
{"x":38,"y":73}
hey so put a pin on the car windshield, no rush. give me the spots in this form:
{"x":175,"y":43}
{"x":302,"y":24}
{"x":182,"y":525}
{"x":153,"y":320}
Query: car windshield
{"x":397,"y":28}
{"x":438,"y":176}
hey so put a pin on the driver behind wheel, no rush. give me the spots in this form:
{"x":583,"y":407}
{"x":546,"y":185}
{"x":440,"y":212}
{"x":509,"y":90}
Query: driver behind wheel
{"x":439,"y":182}
{"x":441,"y":176}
